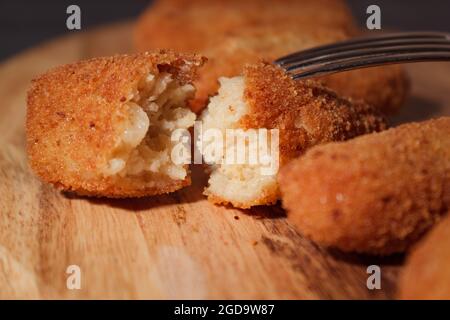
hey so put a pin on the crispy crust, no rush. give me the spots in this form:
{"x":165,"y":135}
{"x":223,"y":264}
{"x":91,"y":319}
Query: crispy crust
{"x":305,"y":113}
{"x":374,"y":194}
{"x":76,"y":113}
{"x":270,"y":197}
{"x":426,"y":275}
{"x":233,"y":33}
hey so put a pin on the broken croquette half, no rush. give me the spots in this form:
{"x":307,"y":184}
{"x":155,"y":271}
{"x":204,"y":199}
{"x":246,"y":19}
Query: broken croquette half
{"x":102,"y":127}
{"x":304,"y":112}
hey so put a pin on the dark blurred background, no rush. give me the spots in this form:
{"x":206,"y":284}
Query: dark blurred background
{"x":25,"y":23}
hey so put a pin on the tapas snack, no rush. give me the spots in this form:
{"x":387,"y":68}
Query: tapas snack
{"x":374,"y":194}
{"x":102,"y":127}
{"x":265,"y":97}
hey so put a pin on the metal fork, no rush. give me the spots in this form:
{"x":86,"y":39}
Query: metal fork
{"x":367,"y":52}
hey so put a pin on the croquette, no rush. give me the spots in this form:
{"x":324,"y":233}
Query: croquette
{"x":233,"y":33}
{"x":305,"y":114}
{"x":426,"y":275}
{"x":102,"y":127}
{"x":194,"y":25}
{"x":375,"y":194}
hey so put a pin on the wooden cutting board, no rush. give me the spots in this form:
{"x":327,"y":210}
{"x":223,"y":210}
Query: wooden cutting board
{"x":172,"y":246}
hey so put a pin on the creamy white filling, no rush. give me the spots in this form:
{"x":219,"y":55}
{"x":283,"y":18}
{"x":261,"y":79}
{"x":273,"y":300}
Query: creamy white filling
{"x":240,"y":183}
{"x":156,"y":108}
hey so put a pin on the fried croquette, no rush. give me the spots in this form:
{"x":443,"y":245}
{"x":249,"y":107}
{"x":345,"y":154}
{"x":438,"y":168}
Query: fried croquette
{"x":426,"y":275}
{"x":375,"y":194}
{"x":305,"y":114}
{"x":102,"y":127}
{"x":234,"y":33}
{"x":204,"y":22}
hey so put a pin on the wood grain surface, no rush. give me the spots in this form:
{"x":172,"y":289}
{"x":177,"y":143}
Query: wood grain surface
{"x":172,"y":246}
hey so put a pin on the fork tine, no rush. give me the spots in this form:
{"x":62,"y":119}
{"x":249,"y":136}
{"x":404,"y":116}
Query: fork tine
{"x":360,"y":43}
{"x":359,"y":53}
{"x":372,"y":61}
{"x":376,"y":46}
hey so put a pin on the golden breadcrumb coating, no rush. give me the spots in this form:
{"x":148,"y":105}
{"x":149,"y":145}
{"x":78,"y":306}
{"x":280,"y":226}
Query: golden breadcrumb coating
{"x":234,"y":33}
{"x":374,"y":194}
{"x":91,"y":125}
{"x":426,"y":275}
{"x":305,"y":113}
